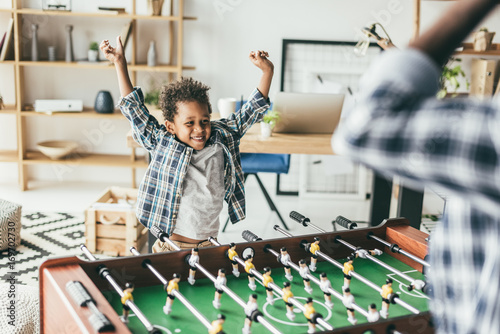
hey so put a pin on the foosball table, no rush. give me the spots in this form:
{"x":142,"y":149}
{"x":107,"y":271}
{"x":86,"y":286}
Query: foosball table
{"x":371,"y":268}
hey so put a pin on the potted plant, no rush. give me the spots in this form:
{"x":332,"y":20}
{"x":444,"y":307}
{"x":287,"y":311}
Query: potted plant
{"x":152,"y":102}
{"x":268,"y":122}
{"x":93,"y":52}
{"x":450,"y":79}
{"x":483,"y":39}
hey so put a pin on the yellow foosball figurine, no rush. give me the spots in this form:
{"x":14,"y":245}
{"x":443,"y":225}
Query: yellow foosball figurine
{"x":311,"y":315}
{"x":287,"y":293}
{"x":217,"y":325}
{"x":127,"y":295}
{"x":348,"y":267}
{"x":266,"y":279}
{"x":249,"y":266}
{"x":314,"y":258}
{"x":173,"y":284}
{"x":386,"y":298}
{"x":231,"y":253}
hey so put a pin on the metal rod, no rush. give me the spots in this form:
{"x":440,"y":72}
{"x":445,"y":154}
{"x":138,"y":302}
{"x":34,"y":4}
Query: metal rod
{"x":399,"y":250}
{"x":176,"y":293}
{"x":413,"y":282}
{"x":279,"y":229}
{"x":365,"y":281}
{"x":224,"y":288}
{"x":276,"y":288}
{"x":105,"y":274}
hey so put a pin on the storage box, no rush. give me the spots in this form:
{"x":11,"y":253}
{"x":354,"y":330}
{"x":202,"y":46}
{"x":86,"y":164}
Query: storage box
{"x":111,"y":226}
{"x":483,"y":74}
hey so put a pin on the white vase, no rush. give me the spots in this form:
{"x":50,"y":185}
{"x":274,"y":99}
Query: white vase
{"x":152,"y":54}
{"x":69,"y":44}
{"x":93,"y":55}
{"x":265,"y":130}
{"x":34,"y":42}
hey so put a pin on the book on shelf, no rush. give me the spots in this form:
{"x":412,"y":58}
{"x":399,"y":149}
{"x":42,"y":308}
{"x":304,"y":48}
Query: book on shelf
{"x":125,"y":34}
{"x":2,"y":41}
{"x":112,"y":10}
{"x":7,"y":49}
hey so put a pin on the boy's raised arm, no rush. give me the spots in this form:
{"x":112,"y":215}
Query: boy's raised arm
{"x":259,"y":59}
{"x":117,"y":57}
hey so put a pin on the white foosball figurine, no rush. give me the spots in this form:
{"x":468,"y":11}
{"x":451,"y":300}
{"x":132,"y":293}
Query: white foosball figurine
{"x":325,"y":285}
{"x":373,"y":315}
{"x":194,"y":258}
{"x":219,"y":282}
{"x":284,"y":258}
{"x":304,"y":271}
{"x":250,"y":308}
{"x":348,"y":301}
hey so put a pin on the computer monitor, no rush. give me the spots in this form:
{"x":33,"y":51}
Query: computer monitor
{"x":307,"y":112}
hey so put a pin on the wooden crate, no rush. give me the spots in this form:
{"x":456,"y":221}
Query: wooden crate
{"x":113,"y":230}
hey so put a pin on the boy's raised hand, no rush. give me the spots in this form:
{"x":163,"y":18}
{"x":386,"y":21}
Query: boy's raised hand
{"x":114,"y":55}
{"x":259,"y":59}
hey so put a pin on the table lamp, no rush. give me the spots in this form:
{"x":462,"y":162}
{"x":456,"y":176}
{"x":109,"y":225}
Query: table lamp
{"x":370,"y":32}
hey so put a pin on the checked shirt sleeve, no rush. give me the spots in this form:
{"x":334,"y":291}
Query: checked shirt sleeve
{"x":399,"y":127}
{"x":251,"y":112}
{"x":145,"y":128}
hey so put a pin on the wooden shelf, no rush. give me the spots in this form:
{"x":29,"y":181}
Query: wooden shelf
{"x":30,"y":11}
{"x":8,"y":156}
{"x":62,"y":63}
{"x":85,"y":159}
{"x":86,"y":113}
{"x":469,"y":50}
{"x":158,"y":68}
{"x":7,"y":10}
{"x":7,"y":62}
{"x":9,"y":109}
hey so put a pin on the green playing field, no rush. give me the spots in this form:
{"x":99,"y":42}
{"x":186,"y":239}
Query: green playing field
{"x":152,"y":299}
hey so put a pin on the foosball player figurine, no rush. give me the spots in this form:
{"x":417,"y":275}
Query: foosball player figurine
{"x":127,"y":295}
{"x":363,"y":252}
{"x":348,"y":267}
{"x":172,"y":285}
{"x":266,"y":279}
{"x":287,"y":293}
{"x":373,"y":314}
{"x":231,"y":253}
{"x":284,"y":258}
{"x":249,"y":266}
{"x":219,"y":282}
{"x":348,"y":301}
{"x":325,"y":285}
{"x":313,"y":248}
{"x":217,"y":325}
{"x":193,"y":260}
{"x":386,"y":298}
{"x":311,"y":315}
{"x":304,"y":271}
{"x":251,"y":312}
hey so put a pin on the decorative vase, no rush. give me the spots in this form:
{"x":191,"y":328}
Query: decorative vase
{"x":93,"y":55}
{"x":154,"y":7}
{"x":34,"y":42}
{"x":51,"y":51}
{"x":104,"y":103}
{"x":69,"y":44}
{"x":482,"y":40}
{"x":265,"y":130}
{"x":152,"y":54}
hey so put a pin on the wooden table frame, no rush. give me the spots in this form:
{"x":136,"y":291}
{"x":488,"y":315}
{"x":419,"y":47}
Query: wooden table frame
{"x":59,"y":314}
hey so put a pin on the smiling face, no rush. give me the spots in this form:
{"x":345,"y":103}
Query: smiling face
{"x":191,"y":124}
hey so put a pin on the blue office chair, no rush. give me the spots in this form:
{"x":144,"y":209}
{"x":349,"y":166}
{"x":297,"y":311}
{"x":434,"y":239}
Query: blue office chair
{"x":254,"y":163}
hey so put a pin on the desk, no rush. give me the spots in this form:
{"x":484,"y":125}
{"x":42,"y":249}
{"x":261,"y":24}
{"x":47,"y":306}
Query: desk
{"x":409,"y":201}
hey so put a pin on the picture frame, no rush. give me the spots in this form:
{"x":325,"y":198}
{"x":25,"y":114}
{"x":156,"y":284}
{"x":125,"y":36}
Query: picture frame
{"x":319,"y":66}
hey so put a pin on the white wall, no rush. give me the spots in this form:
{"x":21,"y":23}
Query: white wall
{"x":217,"y":43}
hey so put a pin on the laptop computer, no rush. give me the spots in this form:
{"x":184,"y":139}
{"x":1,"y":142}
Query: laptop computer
{"x":307,"y":112}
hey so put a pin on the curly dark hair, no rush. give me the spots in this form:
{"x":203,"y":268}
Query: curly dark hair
{"x":183,"y":90}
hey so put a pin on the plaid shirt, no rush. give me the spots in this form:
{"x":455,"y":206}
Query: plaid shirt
{"x":398,"y":127}
{"x":160,"y":191}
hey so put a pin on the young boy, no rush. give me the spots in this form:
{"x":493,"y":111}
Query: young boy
{"x":195,"y":162}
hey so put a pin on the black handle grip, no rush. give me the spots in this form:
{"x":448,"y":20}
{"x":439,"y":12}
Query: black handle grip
{"x":158,"y":233}
{"x":249,"y":236}
{"x":301,"y":219}
{"x":342,"y":221}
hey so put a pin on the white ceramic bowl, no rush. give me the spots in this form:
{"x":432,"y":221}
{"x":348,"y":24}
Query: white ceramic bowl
{"x":57,"y":149}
